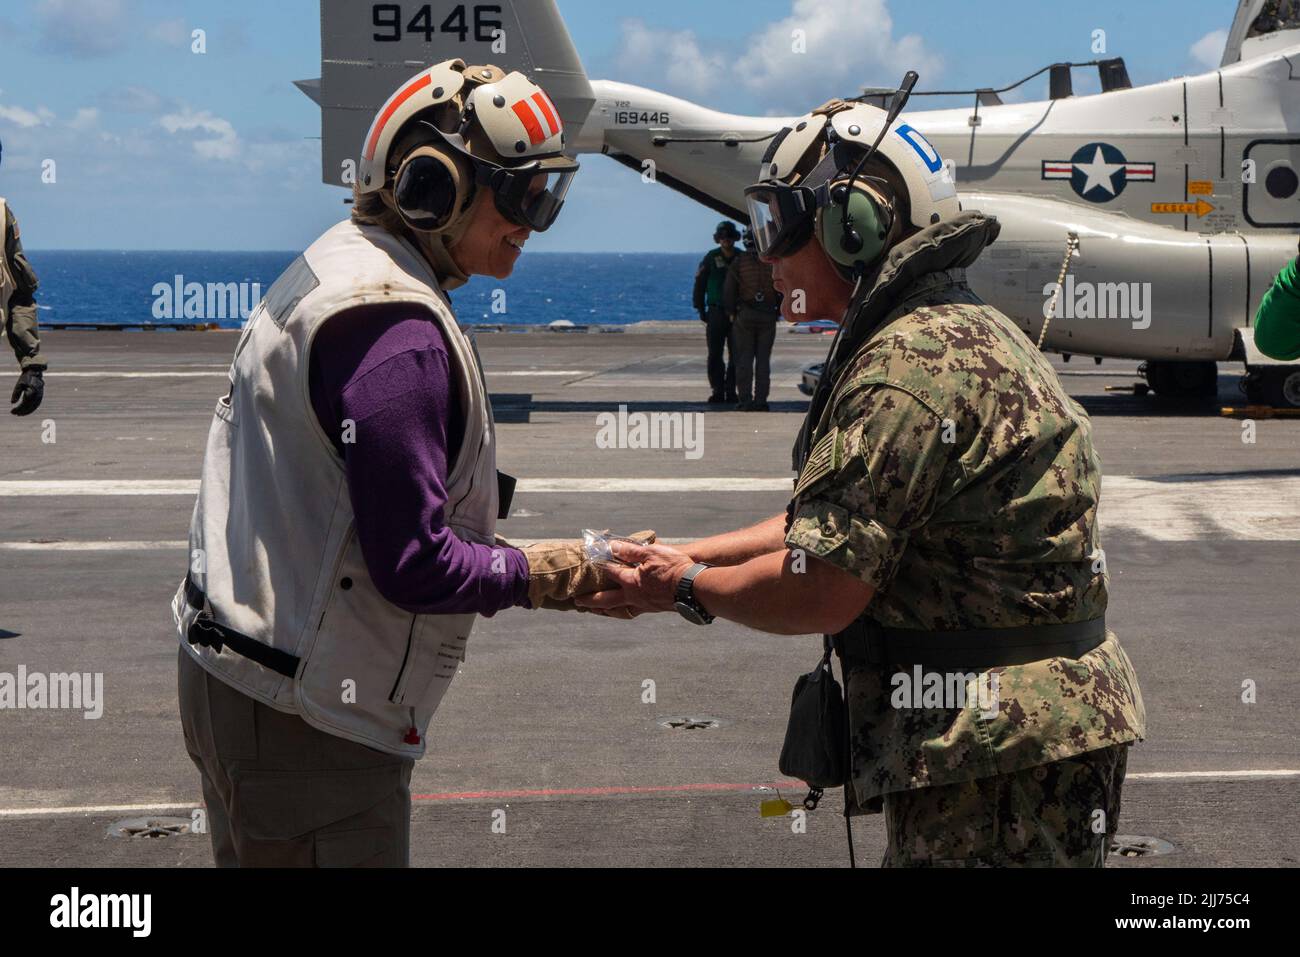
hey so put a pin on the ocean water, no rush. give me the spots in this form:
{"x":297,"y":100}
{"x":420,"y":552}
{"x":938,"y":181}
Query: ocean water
{"x":137,"y":288}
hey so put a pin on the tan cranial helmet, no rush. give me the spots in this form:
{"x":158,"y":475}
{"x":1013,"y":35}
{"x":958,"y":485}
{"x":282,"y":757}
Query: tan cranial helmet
{"x":811,"y":183}
{"x":453,"y":128}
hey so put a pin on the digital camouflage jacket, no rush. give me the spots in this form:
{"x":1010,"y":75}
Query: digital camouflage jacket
{"x":950,"y":470}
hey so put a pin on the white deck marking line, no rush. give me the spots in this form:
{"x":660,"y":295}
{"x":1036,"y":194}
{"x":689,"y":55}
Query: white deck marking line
{"x":124,"y":546}
{"x":1248,"y":508}
{"x":1185,"y":509}
{"x":223,"y":370}
{"x":1263,"y":774}
{"x":132,"y":375}
{"x":1246,"y":775}
{"x":144,"y":546}
{"x":99,"y":487}
{"x":94,"y":809}
{"x":83,"y":487}
{"x":657,"y":484}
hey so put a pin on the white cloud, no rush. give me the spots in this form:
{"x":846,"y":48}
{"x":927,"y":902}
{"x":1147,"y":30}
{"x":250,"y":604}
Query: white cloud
{"x":82,"y":27}
{"x":44,"y":135}
{"x":674,"y":57}
{"x":19,"y":116}
{"x":849,"y":44}
{"x":846,"y":45}
{"x":1208,"y":50}
{"x":221,"y":144}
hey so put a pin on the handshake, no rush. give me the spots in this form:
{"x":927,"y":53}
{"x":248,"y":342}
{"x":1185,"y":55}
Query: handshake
{"x":607,"y":575}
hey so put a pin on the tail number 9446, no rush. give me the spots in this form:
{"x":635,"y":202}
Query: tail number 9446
{"x":388,"y":18}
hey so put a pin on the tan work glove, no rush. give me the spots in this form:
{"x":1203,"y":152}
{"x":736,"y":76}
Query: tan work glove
{"x":559,"y":571}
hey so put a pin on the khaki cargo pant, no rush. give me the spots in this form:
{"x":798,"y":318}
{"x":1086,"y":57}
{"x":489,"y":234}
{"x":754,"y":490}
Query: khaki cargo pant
{"x":755,"y":334}
{"x":1062,"y":814}
{"x":280,"y":793}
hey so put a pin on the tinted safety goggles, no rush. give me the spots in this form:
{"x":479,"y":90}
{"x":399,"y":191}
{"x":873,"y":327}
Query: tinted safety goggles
{"x":530,"y":195}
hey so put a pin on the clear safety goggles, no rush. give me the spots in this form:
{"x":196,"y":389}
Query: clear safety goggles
{"x":782,"y":216}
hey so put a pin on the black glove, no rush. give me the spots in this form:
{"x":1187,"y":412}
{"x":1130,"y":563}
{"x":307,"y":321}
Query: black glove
{"x":704,"y":317}
{"x":28,"y":393}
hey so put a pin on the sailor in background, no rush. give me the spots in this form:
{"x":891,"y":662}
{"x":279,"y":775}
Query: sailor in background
{"x":754,"y":306}
{"x":707,"y":298}
{"x":18,"y":284}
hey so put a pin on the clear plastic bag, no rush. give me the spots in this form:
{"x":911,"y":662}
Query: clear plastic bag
{"x":595,"y":545}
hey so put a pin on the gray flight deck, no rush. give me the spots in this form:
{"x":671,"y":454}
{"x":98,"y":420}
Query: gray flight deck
{"x":546,"y":721}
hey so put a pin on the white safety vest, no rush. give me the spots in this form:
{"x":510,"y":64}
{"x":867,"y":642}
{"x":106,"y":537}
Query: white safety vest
{"x":274,"y":555}
{"x":8,"y":285}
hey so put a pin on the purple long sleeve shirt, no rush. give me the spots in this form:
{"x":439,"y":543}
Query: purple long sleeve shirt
{"x":387,"y":368}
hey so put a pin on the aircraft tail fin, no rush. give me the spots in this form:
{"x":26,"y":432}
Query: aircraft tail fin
{"x":1260,"y":27}
{"x":369,"y":49}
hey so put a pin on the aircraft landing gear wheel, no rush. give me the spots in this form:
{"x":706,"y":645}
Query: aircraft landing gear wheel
{"x":1182,"y":380}
{"x":1282,"y":387}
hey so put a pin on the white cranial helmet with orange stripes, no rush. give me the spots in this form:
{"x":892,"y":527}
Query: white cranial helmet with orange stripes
{"x":503,"y":123}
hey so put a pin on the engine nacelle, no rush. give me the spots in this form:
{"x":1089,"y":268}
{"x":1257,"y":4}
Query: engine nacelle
{"x":1133,"y":289}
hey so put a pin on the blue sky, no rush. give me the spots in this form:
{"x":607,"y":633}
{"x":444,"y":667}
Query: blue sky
{"x":159,"y":148}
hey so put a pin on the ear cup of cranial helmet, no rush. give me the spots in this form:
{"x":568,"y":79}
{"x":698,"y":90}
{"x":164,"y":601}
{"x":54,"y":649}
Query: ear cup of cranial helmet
{"x":429,"y":190}
{"x":861,"y":242}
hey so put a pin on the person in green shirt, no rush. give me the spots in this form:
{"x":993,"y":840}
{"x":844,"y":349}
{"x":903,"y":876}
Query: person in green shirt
{"x":1277,"y":323}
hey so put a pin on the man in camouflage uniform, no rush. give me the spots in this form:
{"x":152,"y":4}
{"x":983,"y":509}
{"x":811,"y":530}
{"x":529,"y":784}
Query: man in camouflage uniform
{"x":954,"y":475}
{"x":18,"y":316}
{"x":944,"y":523}
{"x":754,"y":307}
{"x":707,"y":299}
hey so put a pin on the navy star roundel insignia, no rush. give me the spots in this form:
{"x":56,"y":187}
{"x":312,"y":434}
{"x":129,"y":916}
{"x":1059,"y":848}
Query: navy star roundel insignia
{"x":1098,"y":172}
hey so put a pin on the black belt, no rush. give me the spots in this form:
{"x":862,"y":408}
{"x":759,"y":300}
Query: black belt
{"x":209,"y":633}
{"x":979,"y":648}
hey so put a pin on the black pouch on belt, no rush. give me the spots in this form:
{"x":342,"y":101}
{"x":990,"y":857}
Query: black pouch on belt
{"x":814,"y":748}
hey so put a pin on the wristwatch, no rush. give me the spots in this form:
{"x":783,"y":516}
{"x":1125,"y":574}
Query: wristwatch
{"x":684,"y":599}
